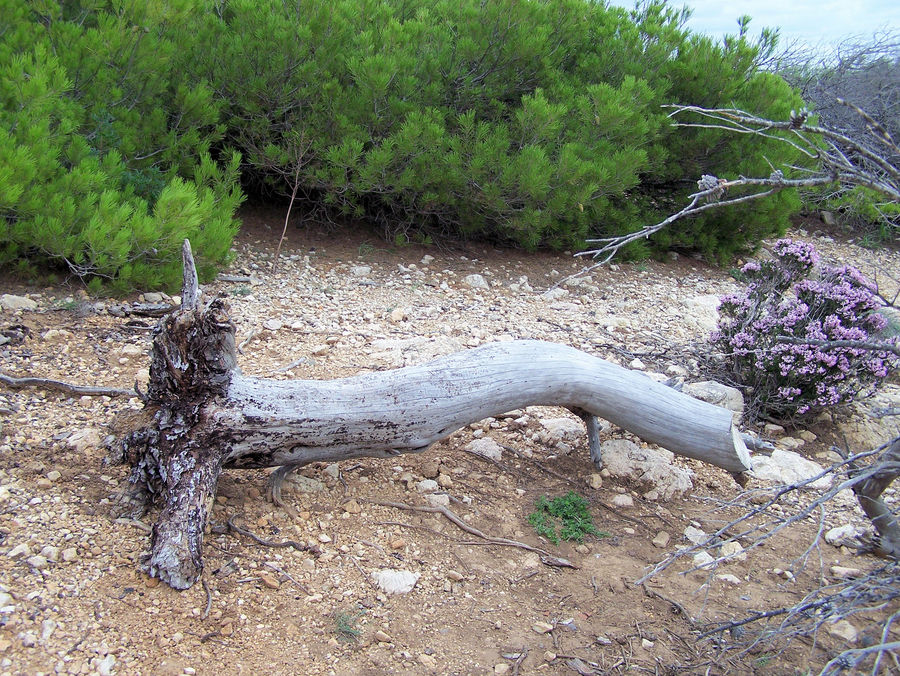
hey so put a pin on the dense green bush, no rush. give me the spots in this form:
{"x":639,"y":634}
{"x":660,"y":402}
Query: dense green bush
{"x":534,"y":122}
{"x":105,"y":162}
{"x":528,"y":121}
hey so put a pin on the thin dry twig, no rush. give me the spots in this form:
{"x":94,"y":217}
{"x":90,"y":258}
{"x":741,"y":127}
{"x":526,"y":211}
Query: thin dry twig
{"x":838,"y":158}
{"x":299,"y":546}
{"x":68,"y":388}
{"x":546,"y":557}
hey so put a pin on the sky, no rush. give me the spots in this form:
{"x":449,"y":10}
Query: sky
{"x":816,"y":24}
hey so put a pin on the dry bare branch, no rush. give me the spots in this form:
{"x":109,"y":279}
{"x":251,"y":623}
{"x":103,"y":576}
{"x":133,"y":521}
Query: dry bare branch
{"x":836,"y":158}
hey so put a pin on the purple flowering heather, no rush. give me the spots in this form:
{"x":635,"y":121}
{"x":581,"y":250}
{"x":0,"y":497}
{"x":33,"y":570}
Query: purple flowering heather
{"x":781,"y":299}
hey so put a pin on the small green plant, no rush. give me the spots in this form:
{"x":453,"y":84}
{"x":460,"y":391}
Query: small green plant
{"x":565,"y":517}
{"x":241,"y":291}
{"x":366,"y":250}
{"x":345,"y":625}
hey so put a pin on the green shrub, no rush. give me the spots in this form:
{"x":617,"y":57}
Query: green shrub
{"x":533,"y":123}
{"x":105,"y":163}
{"x":565,"y":517}
{"x":537,"y":123}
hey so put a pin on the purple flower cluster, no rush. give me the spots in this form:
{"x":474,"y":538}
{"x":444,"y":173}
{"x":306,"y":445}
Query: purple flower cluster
{"x":789,"y":296}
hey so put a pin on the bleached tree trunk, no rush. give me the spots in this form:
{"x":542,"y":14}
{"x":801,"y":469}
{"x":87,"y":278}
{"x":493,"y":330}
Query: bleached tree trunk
{"x":206,"y":415}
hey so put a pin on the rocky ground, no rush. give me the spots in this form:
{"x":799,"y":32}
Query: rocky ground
{"x":73,"y":599}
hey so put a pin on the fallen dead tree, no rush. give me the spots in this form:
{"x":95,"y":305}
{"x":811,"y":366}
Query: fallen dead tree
{"x":202,"y":415}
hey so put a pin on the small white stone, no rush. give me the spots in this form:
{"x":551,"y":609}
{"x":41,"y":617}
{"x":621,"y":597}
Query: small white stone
{"x":703,"y":560}
{"x":392,"y":581}
{"x":843,"y":630}
{"x":476,"y":282}
{"x":438,"y":499}
{"x":37,"y":562}
{"x":661,"y":540}
{"x":9,"y":301}
{"x":729,"y":578}
{"x":694,"y":535}
{"x":427,"y":485}
{"x":840,"y":535}
{"x":623,"y":501}
{"x":21,"y":549}
{"x":732,"y":551}
{"x":485,"y":447}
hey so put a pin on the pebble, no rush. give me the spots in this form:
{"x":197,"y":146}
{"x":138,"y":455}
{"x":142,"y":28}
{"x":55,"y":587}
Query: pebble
{"x":47,"y":629}
{"x":272,"y":324}
{"x":786,"y":574}
{"x":105,"y":666}
{"x":501,"y":668}
{"x":843,"y":630}
{"x":703,"y":560}
{"x":438,"y":499}
{"x":352,"y":507}
{"x":595,"y":481}
{"x":840,"y":535}
{"x":454,"y":575}
{"x":427,"y":485}
{"x":269,"y":580}
{"x":10,"y":301}
{"x":50,"y":553}
{"x":392,"y":581}
{"x":773,"y":430}
{"x":549,"y":656}
{"x":542,"y":627}
{"x":729,"y":578}
{"x":486,"y":447}
{"x":476,"y":282}
{"x":37,"y":562}
{"x":382,"y":637}
{"x":324,"y":538}
{"x":845,"y":573}
{"x":733,"y":551}
{"x":623,"y":501}
{"x":694,"y":535}
{"x":661,"y":540}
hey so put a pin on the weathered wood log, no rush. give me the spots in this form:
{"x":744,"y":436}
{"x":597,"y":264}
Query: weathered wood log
{"x":207,"y":415}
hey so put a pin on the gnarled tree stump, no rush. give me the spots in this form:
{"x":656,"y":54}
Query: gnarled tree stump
{"x":206,"y":415}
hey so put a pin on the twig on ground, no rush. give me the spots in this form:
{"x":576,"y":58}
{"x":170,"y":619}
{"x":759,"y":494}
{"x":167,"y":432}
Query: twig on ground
{"x":68,"y":388}
{"x":518,"y":663}
{"x":300,"y":547}
{"x":546,"y":557}
{"x":672,"y":602}
{"x":208,"y":599}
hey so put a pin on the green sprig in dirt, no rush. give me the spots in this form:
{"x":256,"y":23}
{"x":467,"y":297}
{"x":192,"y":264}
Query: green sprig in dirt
{"x":565,"y":517}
